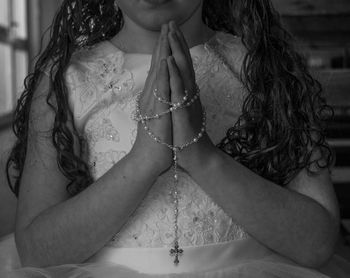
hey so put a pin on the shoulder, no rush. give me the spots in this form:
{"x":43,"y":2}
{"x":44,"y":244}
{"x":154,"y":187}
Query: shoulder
{"x":90,"y":53}
{"x":230,"y":42}
{"x":83,"y":55}
{"x":230,"y":48}
{"x":99,"y":58}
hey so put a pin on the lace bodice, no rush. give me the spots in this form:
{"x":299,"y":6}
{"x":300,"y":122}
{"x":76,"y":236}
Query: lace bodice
{"x":103,"y":82}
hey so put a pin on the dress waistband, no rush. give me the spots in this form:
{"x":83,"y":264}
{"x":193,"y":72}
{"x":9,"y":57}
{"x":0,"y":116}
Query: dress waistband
{"x":195,"y":258}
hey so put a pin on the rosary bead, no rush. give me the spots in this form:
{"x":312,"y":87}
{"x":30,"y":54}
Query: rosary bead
{"x":175,"y":148}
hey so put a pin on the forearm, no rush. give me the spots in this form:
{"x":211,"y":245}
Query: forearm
{"x":288,"y":222}
{"x":72,"y":231}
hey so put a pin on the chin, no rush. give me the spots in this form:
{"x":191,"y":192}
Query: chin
{"x":156,"y":25}
{"x":152,"y":14}
{"x":155,"y":22}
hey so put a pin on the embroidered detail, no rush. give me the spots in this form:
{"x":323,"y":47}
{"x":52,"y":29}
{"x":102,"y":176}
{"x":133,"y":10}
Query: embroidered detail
{"x":104,"y":101}
{"x":201,"y":222}
{"x":101,"y":129}
{"x":102,"y":81}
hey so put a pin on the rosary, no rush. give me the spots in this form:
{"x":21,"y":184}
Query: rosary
{"x":176,"y":251}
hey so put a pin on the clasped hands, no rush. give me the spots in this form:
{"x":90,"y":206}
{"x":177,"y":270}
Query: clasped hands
{"x":170,"y":76}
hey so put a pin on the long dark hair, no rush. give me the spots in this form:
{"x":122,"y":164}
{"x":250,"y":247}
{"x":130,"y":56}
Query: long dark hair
{"x":281,"y":125}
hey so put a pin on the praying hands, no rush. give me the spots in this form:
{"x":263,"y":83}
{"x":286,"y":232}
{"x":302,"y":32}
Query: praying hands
{"x":172,"y":90}
{"x":245,"y":196}
{"x":176,"y":107}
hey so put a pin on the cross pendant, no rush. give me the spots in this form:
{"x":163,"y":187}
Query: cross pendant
{"x":176,"y":251}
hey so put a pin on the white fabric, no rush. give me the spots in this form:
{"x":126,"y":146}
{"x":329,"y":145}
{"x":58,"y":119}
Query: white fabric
{"x":204,"y":258}
{"x":245,"y":258}
{"x":103,"y":82}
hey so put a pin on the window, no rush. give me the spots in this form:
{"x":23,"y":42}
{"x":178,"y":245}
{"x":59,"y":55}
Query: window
{"x":13,"y":53}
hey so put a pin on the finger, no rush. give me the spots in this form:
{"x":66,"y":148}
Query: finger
{"x":164,"y":51}
{"x":177,"y":51}
{"x":179,"y":56}
{"x":163,"y":85}
{"x":156,"y":50}
{"x":152,"y":74}
{"x":174,"y":28}
{"x":159,"y":107}
{"x":176,"y":83}
{"x":186,"y":70}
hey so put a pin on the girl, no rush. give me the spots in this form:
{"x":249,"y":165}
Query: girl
{"x":163,"y":137}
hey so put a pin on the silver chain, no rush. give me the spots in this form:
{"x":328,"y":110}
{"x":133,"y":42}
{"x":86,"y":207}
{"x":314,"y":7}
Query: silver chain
{"x":176,"y":251}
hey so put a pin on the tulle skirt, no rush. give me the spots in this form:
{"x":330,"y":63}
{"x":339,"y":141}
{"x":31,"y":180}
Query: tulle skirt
{"x":236,"y":259}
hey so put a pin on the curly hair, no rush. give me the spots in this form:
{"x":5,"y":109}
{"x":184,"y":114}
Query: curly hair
{"x":281,"y":126}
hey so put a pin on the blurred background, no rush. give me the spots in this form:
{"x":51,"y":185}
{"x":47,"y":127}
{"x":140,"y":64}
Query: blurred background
{"x":322,"y":30}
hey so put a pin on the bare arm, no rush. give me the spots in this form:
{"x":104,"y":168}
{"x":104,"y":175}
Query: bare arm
{"x":299,"y":221}
{"x":53,"y":228}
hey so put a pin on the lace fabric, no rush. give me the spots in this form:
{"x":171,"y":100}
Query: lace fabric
{"x":103,"y":83}
{"x":214,"y":246}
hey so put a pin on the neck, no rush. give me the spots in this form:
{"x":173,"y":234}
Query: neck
{"x":133,"y":38}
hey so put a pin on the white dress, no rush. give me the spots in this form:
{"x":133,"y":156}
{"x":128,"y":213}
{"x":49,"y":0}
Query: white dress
{"x":103,"y":83}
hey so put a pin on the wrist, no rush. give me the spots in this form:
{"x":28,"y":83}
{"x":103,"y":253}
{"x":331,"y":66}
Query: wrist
{"x":144,"y":164}
{"x":201,"y":157}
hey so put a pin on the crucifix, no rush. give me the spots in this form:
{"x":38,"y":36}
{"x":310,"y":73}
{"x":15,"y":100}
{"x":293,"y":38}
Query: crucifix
{"x":176,"y":251}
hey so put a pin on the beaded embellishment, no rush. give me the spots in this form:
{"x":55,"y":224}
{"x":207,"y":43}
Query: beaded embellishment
{"x":176,"y":251}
